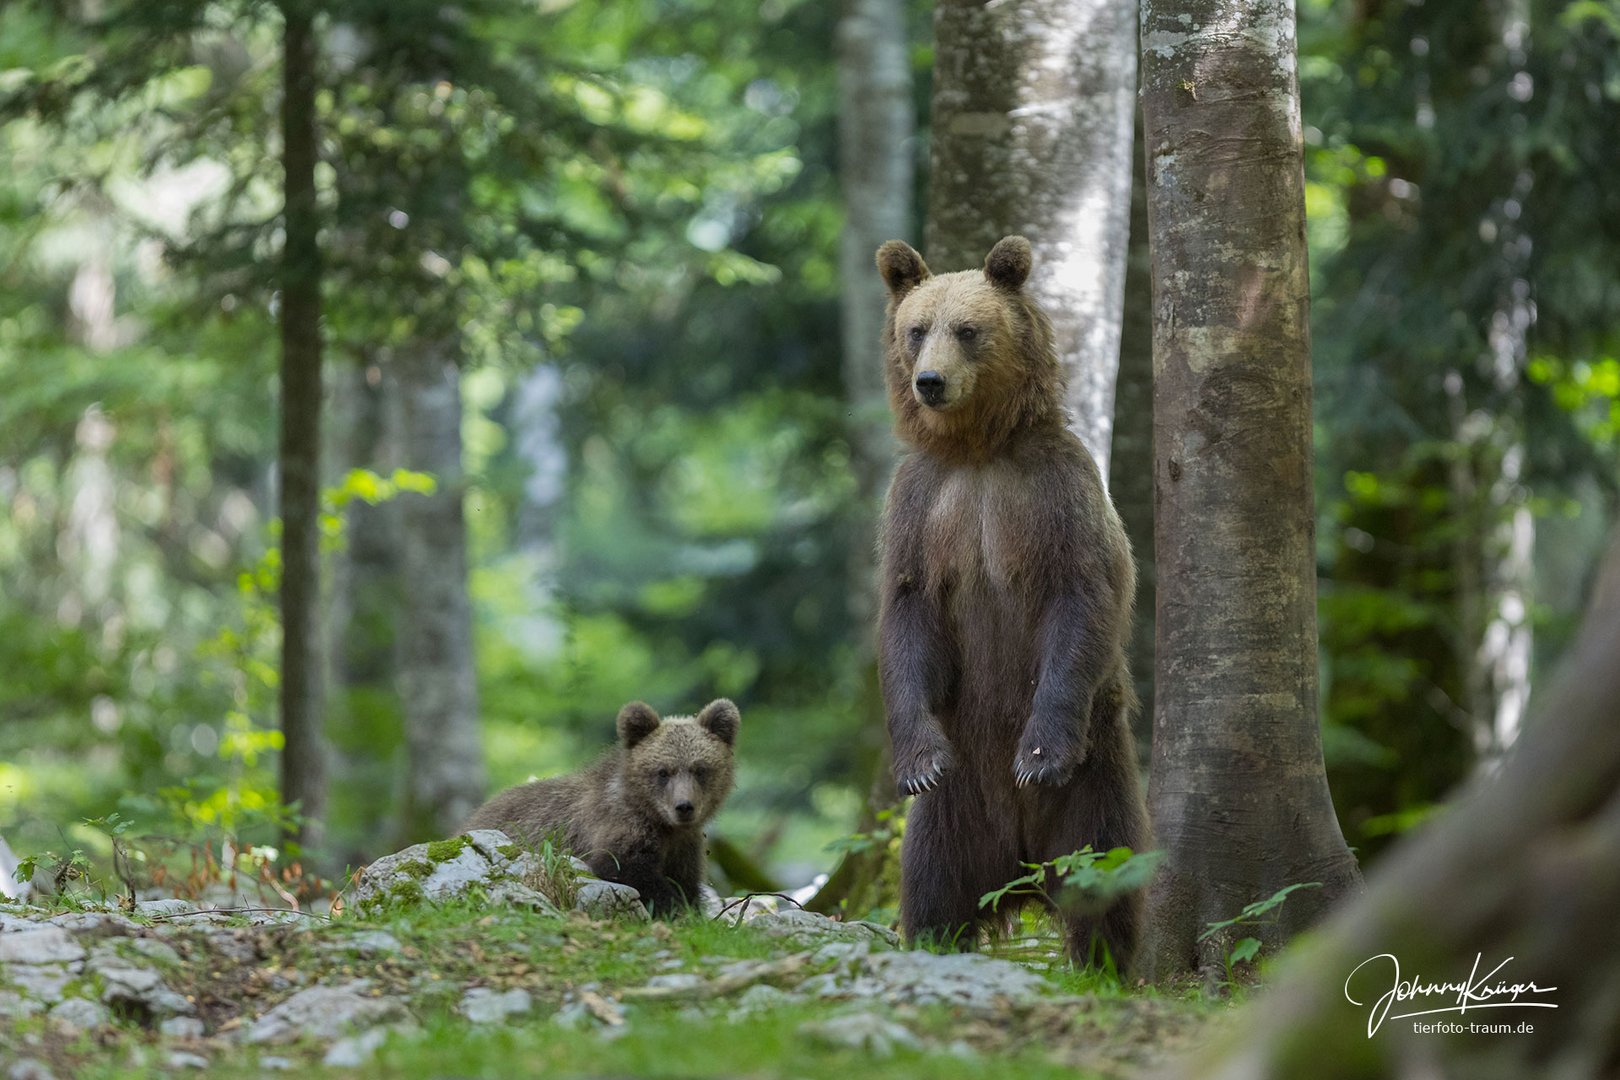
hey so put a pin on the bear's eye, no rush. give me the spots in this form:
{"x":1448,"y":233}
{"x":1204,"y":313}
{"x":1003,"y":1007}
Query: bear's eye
{"x":701,"y":775}
{"x":663,"y":776}
{"x":966,"y":333}
{"x":917,"y":333}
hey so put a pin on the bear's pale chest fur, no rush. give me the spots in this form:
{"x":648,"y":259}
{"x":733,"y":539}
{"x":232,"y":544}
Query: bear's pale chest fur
{"x":980,"y":524}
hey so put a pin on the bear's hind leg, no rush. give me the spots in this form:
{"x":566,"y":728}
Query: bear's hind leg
{"x":948,"y":861}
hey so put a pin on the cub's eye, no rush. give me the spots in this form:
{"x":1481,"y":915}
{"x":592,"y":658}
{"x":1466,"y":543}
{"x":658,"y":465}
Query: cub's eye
{"x":966,"y":333}
{"x":917,"y":333}
{"x":663,"y":776}
{"x":701,"y":775}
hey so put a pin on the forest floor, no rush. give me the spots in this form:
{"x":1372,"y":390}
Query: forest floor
{"x":477,"y":986}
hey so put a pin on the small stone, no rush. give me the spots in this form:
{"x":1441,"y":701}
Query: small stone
{"x":809,"y":928}
{"x":483,"y":1005}
{"x":80,"y":921}
{"x":153,"y":949}
{"x":182,"y":1027}
{"x":609,"y":900}
{"x":15,"y":1005}
{"x":171,"y":906}
{"x":80,"y":1014}
{"x":869,"y":1032}
{"x":761,"y":998}
{"x":678,"y":982}
{"x":369,"y":942}
{"x":276,"y":1064}
{"x":39,"y":945}
{"x":45,"y":982}
{"x":29,"y":1069}
{"x":181,"y":1059}
{"x":353,"y":1051}
{"x":324,"y":1012}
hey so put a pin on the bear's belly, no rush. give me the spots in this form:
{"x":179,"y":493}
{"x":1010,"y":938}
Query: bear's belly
{"x":977,"y":530}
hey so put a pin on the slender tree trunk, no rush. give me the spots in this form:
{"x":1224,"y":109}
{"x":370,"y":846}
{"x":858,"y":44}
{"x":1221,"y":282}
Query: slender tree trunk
{"x":1131,"y":463}
{"x":876,"y":165}
{"x":1238,"y":790}
{"x":365,"y":729}
{"x":445,"y":771}
{"x":303,"y":768}
{"x":1032,"y":134}
{"x":1447,"y":895}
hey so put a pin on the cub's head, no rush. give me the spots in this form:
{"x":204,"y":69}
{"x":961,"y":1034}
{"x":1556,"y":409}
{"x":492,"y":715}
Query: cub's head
{"x":678,"y":770}
{"x":969,"y":355}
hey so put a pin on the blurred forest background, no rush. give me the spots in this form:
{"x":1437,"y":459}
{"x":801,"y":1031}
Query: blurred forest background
{"x":593,"y":432}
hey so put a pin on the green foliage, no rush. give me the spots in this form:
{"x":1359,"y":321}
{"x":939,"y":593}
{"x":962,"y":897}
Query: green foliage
{"x":1256,"y":914}
{"x":1084,"y":880}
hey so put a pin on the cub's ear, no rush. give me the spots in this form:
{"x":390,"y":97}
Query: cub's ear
{"x":902,"y":268}
{"x":721,"y":719}
{"x":636,"y":721}
{"x":1007,"y":265}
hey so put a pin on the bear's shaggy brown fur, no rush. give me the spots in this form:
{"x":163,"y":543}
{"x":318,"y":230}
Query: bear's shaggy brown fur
{"x":636,"y":815}
{"x":1007,"y":587}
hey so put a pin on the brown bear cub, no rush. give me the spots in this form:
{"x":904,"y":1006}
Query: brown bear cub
{"x":1007,"y":586}
{"x":636,"y":815}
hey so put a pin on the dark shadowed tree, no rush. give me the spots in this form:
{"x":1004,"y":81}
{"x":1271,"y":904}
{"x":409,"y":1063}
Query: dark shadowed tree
{"x":303,"y":766}
{"x":1239,"y":795}
{"x":1031,"y":134}
{"x":876,"y":133}
{"x":1525,"y":867}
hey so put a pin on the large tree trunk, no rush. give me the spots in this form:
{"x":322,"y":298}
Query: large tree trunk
{"x":303,"y":768}
{"x":365,"y":729}
{"x":877,"y":128}
{"x":1130,"y":466}
{"x":445,"y":771}
{"x":1526,"y":866}
{"x":1032,"y":134}
{"x":1238,"y":791}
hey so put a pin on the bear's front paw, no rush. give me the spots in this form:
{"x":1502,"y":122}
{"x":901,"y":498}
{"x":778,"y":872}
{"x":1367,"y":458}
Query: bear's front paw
{"x":1046,"y":761}
{"x":923,"y":768}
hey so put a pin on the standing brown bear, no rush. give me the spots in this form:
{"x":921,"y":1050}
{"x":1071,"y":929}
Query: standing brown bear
{"x":1007,"y":586}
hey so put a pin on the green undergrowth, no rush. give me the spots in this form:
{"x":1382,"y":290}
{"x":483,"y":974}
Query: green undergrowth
{"x":443,"y":950}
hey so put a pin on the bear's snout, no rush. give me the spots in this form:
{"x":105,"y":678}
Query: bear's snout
{"x":685,"y":811}
{"x":930,"y":388}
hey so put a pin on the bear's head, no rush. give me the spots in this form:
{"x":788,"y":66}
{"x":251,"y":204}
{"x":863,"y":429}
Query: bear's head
{"x":968,"y":356}
{"x":677,"y":771}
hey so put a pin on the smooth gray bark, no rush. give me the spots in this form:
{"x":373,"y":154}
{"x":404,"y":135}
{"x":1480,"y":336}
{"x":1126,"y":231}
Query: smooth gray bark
{"x":303,"y":765}
{"x":1032,"y":110}
{"x":1238,"y":790}
{"x":445,"y":764}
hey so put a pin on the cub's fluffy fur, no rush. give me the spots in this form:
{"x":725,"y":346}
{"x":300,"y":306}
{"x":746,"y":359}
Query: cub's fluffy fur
{"x":637,"y":814}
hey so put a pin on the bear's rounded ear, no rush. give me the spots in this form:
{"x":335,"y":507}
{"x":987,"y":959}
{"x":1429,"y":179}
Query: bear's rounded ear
{"x":636,"y":721}
{"x":902,"y":268}
{"x":1007,"y":265}
{"x":721,"y":719}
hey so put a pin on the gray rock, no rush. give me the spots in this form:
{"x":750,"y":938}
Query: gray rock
{"x":153,"y":949}
{"x":805,"y":928}
{"x":353,"y":1051}
{"x":324,"y":1012}
{"x":763,"y":998}
{"x":79,"y":1014}
{"x":39,"y":944}
{"x":14,"y":1006}
{"x":29,"y":1069}
{"x":487,"y":861}
{"x":482,"y":1005}
{"x":45,"y":982}
{"x":181,"y":1059}
{"x":367,"y":943}
{"x":276,"y":1064}
{"x":79,"y":921}
{"x":168,"y":906}
{"x":609,"y":900}
{"x":967,"y":981}
{"x":679,"y":981}
{"x":867,"y":1032}
{"x":182,"y":1027}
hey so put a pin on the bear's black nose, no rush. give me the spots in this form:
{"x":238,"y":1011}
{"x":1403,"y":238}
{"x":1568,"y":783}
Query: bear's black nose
{"x":931,"y":387}
{"x":684,"y":811}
